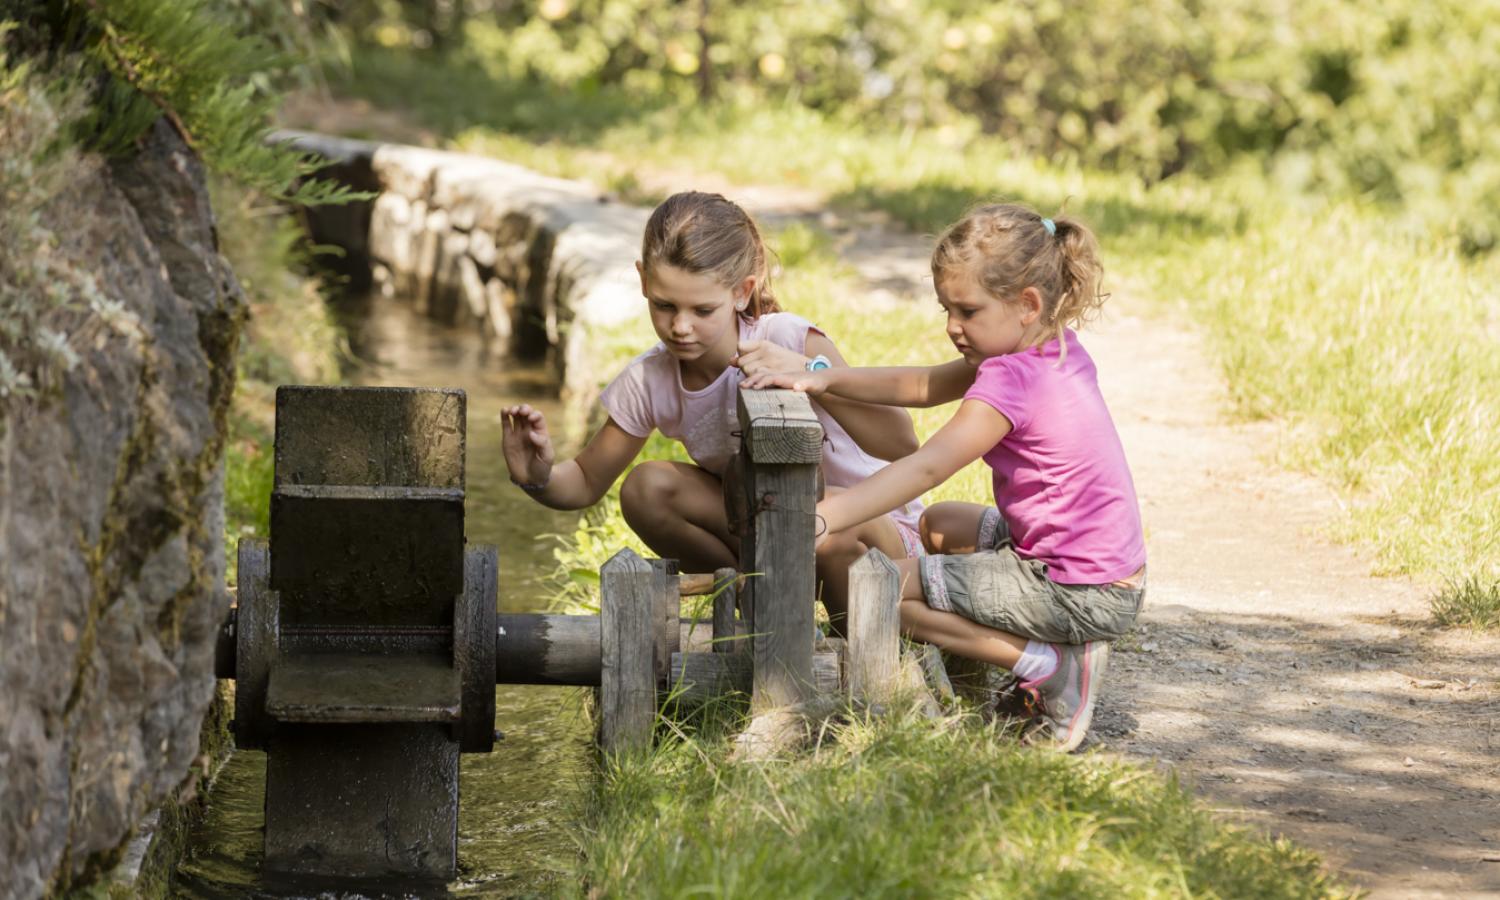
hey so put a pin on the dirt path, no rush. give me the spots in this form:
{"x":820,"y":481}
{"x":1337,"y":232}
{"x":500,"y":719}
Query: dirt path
{"x":1269,"y":668}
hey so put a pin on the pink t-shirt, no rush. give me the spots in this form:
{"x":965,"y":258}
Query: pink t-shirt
{"x":1061,"y":480}
{"x":649,"y":394}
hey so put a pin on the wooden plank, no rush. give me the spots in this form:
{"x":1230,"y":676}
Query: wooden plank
{"x":627,"y":636}
{"x":698,"y":678}
{"x":353,"y":688}
{"x":724,"y":580}
{"x":474,"y":614}
{"x":780,"y":427}
{"x":874,"y":627}
{"x":782,"y":441}
{"x":666,"y":605}
{"x":370,"y":436}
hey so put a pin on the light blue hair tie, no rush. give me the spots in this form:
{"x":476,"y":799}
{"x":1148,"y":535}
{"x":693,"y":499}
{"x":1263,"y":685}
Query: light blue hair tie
{"x":1051,"y":226}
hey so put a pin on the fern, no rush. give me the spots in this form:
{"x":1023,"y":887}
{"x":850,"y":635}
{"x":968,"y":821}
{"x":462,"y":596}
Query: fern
{"x":185,"y":60}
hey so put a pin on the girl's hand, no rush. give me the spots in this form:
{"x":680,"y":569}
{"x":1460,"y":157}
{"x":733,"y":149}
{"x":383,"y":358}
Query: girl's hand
{"x":527,"y":445}
{"x":813,"y":384}
{"x":759,"y":357}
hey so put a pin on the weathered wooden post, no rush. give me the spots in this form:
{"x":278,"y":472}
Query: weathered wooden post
{"x":782,"y":445}
{"x":666,"y":615}
{"x":627,"y":639}
{"x":874,"y":629}
{"x":724,"y":584}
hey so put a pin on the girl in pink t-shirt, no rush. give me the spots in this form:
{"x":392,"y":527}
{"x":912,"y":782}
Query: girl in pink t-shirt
{"x":1042,"y":581}
{"x":708,"y":292}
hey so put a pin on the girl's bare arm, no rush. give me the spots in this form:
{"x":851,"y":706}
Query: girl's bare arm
{"x":919,"y":386}
{"x":972,"y":431}
{"x":576,"y":483}
{"x":885,"y":432}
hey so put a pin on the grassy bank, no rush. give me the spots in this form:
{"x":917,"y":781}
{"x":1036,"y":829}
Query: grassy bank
{"x":290,"y":338}
{"x":919,"y":808}
{"x":1371,"y":343}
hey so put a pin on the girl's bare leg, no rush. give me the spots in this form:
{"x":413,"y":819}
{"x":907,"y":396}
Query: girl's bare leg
{"x":841,"y":551}
{"x":951,"y":527}
{"x":950,"y":631}
{"x":678,"y":510}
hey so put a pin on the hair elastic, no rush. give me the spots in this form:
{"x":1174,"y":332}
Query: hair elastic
{"x":1050,"y":225}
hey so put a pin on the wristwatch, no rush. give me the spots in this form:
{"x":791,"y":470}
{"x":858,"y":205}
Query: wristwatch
{"x":818,"y":363}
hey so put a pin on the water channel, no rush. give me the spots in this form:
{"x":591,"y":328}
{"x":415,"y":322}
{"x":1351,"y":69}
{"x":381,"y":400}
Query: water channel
{"x":518,"y":804}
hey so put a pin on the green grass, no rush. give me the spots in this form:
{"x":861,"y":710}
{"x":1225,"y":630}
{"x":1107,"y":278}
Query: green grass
{"x":1470,"y":602}
{"x":290,"y":338}
{"x":1376,"y":348}
{"x":909,"y":807}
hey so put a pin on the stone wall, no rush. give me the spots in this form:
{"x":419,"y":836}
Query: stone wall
{"x":111,"y":528}
{"x":541,"y":263}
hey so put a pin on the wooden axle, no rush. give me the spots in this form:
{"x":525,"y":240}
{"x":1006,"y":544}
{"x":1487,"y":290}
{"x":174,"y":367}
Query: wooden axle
{"x":537,"y":648}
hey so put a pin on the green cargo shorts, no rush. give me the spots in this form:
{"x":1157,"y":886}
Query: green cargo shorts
{"x":995,"y":587}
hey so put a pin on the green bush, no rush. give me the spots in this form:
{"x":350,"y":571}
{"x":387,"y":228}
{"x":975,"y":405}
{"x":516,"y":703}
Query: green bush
{"x":1399,"y":104}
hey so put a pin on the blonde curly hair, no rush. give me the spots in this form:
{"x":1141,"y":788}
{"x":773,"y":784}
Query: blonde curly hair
{"x":1008,"y":248}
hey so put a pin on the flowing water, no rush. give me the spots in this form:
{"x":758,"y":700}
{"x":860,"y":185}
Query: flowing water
{"x":518,"y":804}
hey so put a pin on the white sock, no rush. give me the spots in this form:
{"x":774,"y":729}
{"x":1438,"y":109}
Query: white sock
{"x":1037,"y":661}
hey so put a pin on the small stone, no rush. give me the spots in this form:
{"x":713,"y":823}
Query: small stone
{"x":1408,"y":762}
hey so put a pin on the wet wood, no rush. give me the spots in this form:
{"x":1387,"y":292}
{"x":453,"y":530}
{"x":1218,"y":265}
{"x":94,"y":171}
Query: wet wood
{"x":533,"y":648}
{"x":353,"y":688}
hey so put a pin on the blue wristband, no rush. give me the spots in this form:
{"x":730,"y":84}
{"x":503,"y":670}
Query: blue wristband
{"x":818,"y":363}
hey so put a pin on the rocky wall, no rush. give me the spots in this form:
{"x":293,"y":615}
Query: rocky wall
{"x":111,"y":528}
{"x":540,"y":263}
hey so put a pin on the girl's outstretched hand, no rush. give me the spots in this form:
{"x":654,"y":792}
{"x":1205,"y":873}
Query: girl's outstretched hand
{"x":812,"y":384}
{"x":527,"y":445}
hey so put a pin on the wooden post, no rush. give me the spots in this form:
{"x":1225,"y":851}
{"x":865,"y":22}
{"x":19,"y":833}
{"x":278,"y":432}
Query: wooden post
{"x":666,"y":605}
{"x":874,"y":627}
{"x":627,"y":639}
{"x":698,"y":678}
{"x":783,"y":444}
{"x":724,"y":580}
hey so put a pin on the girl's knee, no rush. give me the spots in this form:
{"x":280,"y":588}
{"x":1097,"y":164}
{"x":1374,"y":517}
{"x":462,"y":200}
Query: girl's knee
{"x":649,"y":487}
{"x":841,"y":547}
{"x":949,"y":525}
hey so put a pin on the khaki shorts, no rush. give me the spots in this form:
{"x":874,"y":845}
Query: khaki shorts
{"x":995,"y":587}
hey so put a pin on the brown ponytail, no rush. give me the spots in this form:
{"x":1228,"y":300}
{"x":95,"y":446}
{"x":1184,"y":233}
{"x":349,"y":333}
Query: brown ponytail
{"x":707,"y":234}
